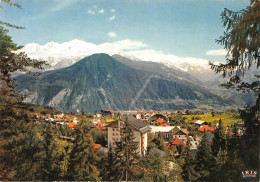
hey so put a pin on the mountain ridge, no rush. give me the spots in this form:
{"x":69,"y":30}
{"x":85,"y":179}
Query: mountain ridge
{"x":102,"y":82}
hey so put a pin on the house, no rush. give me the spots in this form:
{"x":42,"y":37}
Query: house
{"x":159,"y":121}
{"x":155,"y":116}
{"x":198,"y":123}
{"x":37,"y":115}
{"x":193,"y":144}
{"x":140,"y":130}
{"x":139,"y":115}
{"x":205,"y":128}
{"x":176,"y":141}
{"x":101,"y":125}
{"x":71,"y":124}
{"x":59,"y":115}
{"x":164,"y":130}
{"x":107,"y":113}
{"x":178,"y":132}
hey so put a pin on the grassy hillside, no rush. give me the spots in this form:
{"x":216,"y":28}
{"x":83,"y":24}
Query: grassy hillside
{"x":227,"y":118}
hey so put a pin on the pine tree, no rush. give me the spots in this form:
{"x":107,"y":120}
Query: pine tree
{"x":234,"y":163}
{"x":12,"y":120}
{"x":157,"y":168}
{"x":83,"y":157}
{"x":219,"y":139}
{"x":49,"y":162}
{"x":126,"y":153}
{"x":203,"y":159}
{"x":241,"y":40}
{"x":28,"y":151}
{"x":188,"y":171}
{"x":219,"y":152}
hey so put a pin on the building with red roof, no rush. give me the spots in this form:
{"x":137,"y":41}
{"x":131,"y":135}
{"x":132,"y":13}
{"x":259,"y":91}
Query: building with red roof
{"x":175,"y":142}
{"x":159,"y":120}
{"x":206,"y":128}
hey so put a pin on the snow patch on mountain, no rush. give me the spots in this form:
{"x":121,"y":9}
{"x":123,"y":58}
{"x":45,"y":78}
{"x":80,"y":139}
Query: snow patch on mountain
{"x":67,"y":53}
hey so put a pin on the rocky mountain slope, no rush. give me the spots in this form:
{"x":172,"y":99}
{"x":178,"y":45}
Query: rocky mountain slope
{"x":102,"y":82}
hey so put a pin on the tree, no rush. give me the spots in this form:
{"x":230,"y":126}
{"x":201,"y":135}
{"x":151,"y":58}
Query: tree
{"x":83,"y":159}
{"x":49,"y":161}
{"x":126,"y":153}
{"x":203,"y":159}
{"x":188,"y":171}
{"x":156,"y":167}
{"x":241,"y":41}
{"x":219,"y":139}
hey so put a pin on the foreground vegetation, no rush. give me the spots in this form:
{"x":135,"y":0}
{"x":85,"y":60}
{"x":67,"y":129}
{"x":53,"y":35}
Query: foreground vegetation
{"x":32,"y":150}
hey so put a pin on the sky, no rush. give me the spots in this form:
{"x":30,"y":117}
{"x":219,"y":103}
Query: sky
{"x":185,"y":28}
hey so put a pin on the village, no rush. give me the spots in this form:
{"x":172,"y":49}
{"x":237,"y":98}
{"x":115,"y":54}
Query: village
{"x":170,"y":127}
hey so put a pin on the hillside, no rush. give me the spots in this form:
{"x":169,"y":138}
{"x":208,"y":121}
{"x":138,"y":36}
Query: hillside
{"x":101,"y":82}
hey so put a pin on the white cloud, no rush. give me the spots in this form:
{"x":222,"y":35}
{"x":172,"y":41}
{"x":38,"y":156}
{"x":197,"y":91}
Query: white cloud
{"x":57,"y":5}
{"x":135,"y":50}
{"x":112,"y":10}
{"x":101,"y":11}
{"x":91,"y":12}
{"x":218,"y":52}
{"x":122,"y":45}
{"x":112,"y":18}
{"x":112,"y":34}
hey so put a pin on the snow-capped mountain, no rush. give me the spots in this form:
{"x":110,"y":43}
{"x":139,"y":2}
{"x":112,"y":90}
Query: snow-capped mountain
{"x":67,"y":53}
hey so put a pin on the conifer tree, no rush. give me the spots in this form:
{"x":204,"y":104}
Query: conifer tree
{"x":83,"y":157}
{"x":188,"y":171}
{"x":28,"y":150}
{"x":49,"y":164}
{"x":203,"y":159}
{"x":126,"y":153}
{"x":219,"y":139}
{"x":241,"y":41}
{"x":12,"y":120}
{"x":156,"y":166}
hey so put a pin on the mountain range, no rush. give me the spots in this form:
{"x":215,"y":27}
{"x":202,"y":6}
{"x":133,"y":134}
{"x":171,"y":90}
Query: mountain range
{"x":101,"y":81}
{"x":187,"y":71}
{"x":65,"y":54}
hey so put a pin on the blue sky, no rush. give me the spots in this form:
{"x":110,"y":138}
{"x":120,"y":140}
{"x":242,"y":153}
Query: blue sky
{"x":186,"y":28}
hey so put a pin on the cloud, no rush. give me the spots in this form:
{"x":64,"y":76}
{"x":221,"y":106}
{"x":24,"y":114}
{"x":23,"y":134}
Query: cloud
{"x":218,"y":52}
{"x":101,"y":11}
{"x":112,"y":18}
{"x":91,"y":12}
{"x":112,"y":34}
{"x":122,"y":45}
{"x":135,"y":50}
{"x":57,"y":5}
{"x":112,"y":10}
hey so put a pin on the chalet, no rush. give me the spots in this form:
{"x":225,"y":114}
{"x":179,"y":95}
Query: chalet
{"x":107,"y":113}
{"x":176,"y":141}
{"x":164,"y":130}
{"x":158,"y":116}
{"x":198,"y":123}
{"x":205,"y":128}
{"x":140,"y":133}
{"x":178,"y":132}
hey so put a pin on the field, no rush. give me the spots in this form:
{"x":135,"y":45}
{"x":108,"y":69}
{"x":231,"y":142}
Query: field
{"x":227,"y":118}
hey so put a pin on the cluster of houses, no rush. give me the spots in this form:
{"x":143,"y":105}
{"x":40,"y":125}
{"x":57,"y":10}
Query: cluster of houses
{"x":155,"y":123}
{"x":142,"y":123}
{"x":58,"y":119}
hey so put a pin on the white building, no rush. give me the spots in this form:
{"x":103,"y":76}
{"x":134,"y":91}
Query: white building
{"x":140,"y":130}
